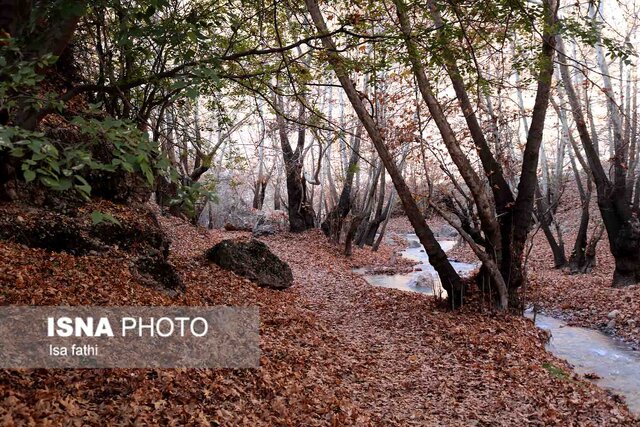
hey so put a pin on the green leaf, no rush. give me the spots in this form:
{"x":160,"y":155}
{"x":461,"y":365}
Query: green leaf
{"x":17,"y":152}
{"x":555,"y":371}
{"x":62,"y":185}
{"x":98,"y":217}
{"x":29,"y":175}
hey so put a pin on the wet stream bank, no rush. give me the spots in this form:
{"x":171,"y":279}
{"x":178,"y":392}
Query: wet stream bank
{"x":609,"y":363}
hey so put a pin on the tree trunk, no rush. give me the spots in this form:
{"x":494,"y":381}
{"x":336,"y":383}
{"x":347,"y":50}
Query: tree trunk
{"x":578,"y":259}
{"x":437,"y":257}
{"x":484,"y":204}
{"x":545,"y":216}
{"x":494,"y":173}
{"x":369,"y":234}
{"x":301,"y":216}
{"x":332,"y":225}
{"x":623,"y":228}
{"x":523,"y":207}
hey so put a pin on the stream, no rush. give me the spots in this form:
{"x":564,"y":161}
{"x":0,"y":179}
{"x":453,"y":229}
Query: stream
{"x":414,"y":281}
{"x":616,"y":365}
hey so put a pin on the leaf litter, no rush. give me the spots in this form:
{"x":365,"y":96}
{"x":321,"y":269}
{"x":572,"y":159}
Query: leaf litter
{"x":335,"y":350}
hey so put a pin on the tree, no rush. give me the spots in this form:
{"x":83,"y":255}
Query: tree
{"x":301,"y":216}
{"x":622,"y":225}
{"x":509,"y":238}
{"x":450,"y":279}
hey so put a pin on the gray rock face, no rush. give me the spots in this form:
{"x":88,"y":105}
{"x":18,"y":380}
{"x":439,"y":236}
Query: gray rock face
{"x":229,"y":210}
{"x":252,"y":259}
{"x":269,"y":223}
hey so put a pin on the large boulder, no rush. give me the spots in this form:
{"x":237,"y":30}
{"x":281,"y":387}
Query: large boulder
{"x":414,"y":243}
{"x":229,"y":210}
{"x":252,"y":259}
{"x":446,"y":232}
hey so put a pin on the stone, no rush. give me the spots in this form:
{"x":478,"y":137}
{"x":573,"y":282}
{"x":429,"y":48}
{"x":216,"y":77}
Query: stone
{"x":613,"y":314}
{"x":414,"y":243}
{"x":252,"y":259}
{"x":611,"y":324}
{"x":153,"y":270}
{"x":269,"y":223}
{"x":423,"y":280}
{"x":237,"y":226}
{"x":229,"y":210}
{"x":446,"y":232}
{"x":263,"y":230}
{"x":631,"y":323}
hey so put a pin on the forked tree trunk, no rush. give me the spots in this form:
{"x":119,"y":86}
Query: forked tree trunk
{"x":483,"y":201}
{"x":545,"y":216}
{"x":301,"y":216}
{"x":493,"y":171}
{"x":332,"y":225}
{"x":523,"y":206}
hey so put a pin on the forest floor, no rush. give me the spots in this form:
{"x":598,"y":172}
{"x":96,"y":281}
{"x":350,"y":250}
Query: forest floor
{"x":580,"y":299}
{"x":335,"y":350}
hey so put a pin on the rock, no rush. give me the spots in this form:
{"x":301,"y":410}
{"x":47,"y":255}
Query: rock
{"x":252,"y":259}
{"x":263,"y":230}
{"x":233,"y":227}
{"x":381,"y":270}
{"x":244,"y":220}
{"x":229,"y":210}
{"x":269,"y":223}
{"x":631,"y":323}
{"x":414,"y":243}
{"x":613,"y":314}
{"x":154,"y":269}
{"x":611,"y":324}
{"x":423,"y":280}
{"x":446,"y":232}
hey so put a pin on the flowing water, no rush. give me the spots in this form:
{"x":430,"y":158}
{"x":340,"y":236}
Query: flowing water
{"x":592,"y":352}
{"x":616,"y":365}
{"x":412,"y":281}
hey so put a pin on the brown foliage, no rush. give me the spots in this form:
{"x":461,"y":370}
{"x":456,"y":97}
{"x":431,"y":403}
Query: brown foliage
{"x":335,"y":350}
